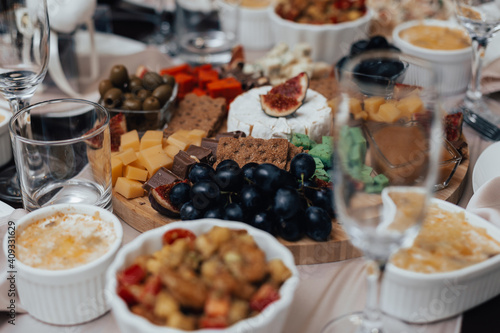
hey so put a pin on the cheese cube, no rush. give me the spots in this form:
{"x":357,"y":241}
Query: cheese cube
{"x":116,"y":169}
{"x":137,"y":163}
{"x":182,"y":144}
{"x":164,"y":143}
{"x":410,"y":105}
{"x":372,"y":104}
{"x":129,"y":188}
{"x":171,"y":150}
{"x":195,"y":136}
{"x":150,"y":139}
{"x":355,"y":106}
{"x":154,"y":158}
{"x":389,"y":112}
{"x":127,"y":156}
{"x":130,"y":140}
{"x":135,"y":173}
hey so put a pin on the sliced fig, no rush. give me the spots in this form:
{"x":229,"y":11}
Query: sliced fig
{"x":284,"y":99}
{"x":159,"y":197}
{"x":277,"y":105}
{"x":117,"y":127}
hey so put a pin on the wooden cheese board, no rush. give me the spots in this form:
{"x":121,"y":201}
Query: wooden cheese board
{"x":139,"y":214}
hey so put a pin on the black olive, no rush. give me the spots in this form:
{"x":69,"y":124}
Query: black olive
{"x":142,"y":94}
{"x":113,"y":98}
{"x":151,"y":103}
{"x":168,"y":79}
{"x":104,"y":86}
{"x":151,"y":81}
{"x":163,"y":93}
{"x":119,"y":76}
{"x":135,"y":85}
{"x":132,"y":104}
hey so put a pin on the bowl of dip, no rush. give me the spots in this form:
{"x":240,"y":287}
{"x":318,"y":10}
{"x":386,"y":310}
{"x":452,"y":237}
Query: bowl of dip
{"x":445,"y":44}
{"x":254,"y":26}
{"x":61,"y":253}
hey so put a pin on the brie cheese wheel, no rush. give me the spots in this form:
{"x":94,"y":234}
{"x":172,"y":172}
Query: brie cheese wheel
{"x":313,"y":118}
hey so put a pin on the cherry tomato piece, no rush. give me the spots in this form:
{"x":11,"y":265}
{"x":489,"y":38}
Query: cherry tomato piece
{"x":172,"y":235}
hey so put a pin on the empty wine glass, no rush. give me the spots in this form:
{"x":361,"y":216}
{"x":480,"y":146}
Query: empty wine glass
{"x":24,"y":55}
{"x":481,"y":18}
{"x":387,"y":138}
{"x":160,"y":37}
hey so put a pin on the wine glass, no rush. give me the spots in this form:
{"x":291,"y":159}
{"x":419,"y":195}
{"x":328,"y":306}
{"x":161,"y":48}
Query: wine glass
{"x":160,"y":36}
{"x":24,"y":55}
{"x":481,"y":18}
{"x":388,"y":139}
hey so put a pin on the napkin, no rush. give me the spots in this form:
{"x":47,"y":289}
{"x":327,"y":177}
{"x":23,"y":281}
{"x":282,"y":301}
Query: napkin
{"x":486,"y":201}
{"x":490,"y":80}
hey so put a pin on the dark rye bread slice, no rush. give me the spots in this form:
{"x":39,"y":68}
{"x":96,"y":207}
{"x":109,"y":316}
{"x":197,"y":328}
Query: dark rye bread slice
{"x":198,"y":112}
{"x":249,"y":149}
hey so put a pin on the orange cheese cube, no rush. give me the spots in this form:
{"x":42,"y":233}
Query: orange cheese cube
{"x":129,"y":188}
{"x":127,"y":156}
{"x":130,"y":140}
{"x":116,"y":169}
{"x":195,"y":136}
{"x":135,"y":173}
{"x":137,"y":162}
{"x":410,"y":105}
{"x":150,"y":139}
{"x":389,"y":112}
{"x":182,"y":143}
{"x":154,"y":158}
{"x":171,"y":150}
{"x":164,"y":143}
{"x":372,"y":104}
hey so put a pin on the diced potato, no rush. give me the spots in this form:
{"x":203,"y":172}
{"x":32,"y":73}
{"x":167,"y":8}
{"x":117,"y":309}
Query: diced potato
{"x":130,"y":140}
{"x":135,"y":173}
{"x":129,"y":188}
{"x":171,"y":150}
{"x":279,"y":272}
{"x":410,"y":105}
{"x":165,"y":305}
{"x":127,"y":156}
{"x":181,"y":321}
{"x":372,"y":104}
{"x":150,"y":139}
{"x":154,"y":158}
{"x":389,"y":112}
{"x":116,"y":169}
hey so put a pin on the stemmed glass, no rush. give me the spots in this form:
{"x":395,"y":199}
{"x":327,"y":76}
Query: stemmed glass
{"x":387,"y":138}
{"x":24,"y":55}
{"x":481,"y":18}
{"x":160,"y":36}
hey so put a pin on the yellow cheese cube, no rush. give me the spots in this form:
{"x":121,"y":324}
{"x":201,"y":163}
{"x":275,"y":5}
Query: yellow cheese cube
{"x":195,"y":136}
{"x":389,"y":112}
{"x":135,"y":173}
{"x":127,"y":156}
{"x":137,"y":162}
{"x":154,"y":158}
{"x":171,"y":150}
{"x":129,"y":188}
{"x":164,"y":143}
{"x":130,"y":140}
{"x":175,"y":140}
{"x":150,"y":139}
{"x":116,"y":169}
{"x":372,"y":104}
{"x":410,"y":105}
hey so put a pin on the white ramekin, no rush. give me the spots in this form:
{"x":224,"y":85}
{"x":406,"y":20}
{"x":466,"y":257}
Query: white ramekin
{"x":71,"y":296}
{"x":255,"y":29}
{"x":329,"y":42}
{"x":272,"y":319}
{"x":5,"y":146}
{"x":423,"y":298}
{"x":453,"y":67}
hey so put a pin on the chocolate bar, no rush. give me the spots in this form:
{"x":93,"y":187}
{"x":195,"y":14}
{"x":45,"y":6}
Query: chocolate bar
{"x":210,"y":144}
{"x":201,"y":154}
{"x":161,"y":177}
{"x":182,"y":163}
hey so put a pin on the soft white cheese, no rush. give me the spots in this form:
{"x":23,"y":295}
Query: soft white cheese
{"x":312,"y":118}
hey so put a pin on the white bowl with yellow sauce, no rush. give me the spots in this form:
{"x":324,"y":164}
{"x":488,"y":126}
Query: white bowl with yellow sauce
{"x":444,"y":43}
{"x":442,"y":283}
{"x":61,"y":253}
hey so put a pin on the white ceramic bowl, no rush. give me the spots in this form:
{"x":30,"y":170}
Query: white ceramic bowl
{"x":423,"y":298}
{"x":70,"y":296}
{"x":453,"y":67}
{"x":254,"y":29}
{"x":329,"y":42}
{"x":271,"y":319}
{"x":5,"y":146}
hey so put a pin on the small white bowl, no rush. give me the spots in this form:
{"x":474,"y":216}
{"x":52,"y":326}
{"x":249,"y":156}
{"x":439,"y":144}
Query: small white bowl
{"x":329,"y":42}
{"x":453,"y":66}
{"x":69,"y":296}
{"x":424,"y":298}
{"x":254,"y":29}
{"x":271,"y":319}
{"x":5,"y":145}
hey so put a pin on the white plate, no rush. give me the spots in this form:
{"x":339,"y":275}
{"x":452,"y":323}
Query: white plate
{"x":151,"y":4}
{"x":5,"y":209}
{"x":486,"y":167}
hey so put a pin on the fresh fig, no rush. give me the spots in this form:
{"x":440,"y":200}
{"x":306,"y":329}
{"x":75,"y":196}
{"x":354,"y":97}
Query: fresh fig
{"x":117,"y":127}
{"x":284,"y":99}
{"x":159,"y":197}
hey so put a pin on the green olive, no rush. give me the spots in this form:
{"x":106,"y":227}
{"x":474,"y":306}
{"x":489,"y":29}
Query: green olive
{"x":151,"y":103}
{"x":168,"y":79}
{"x":119,"y":76}
{"x":151,"y":81}
{"x":128,"y":95}
{"x":113,"y":98}
{"x":104,"y":86}
{"x":163,"y":93}
{"x":142,"y":94}
{"x":132,"y":104}
{"x":135,"y":85}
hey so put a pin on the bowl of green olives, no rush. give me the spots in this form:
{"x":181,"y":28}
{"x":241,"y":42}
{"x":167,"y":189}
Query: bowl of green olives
{"x":147,"y":101}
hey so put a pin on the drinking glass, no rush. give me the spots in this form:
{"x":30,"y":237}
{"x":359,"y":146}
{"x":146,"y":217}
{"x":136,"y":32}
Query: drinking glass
{"x":481,"y":18}
{"x":160,"y":36}
{"x":387,"y":137}
{"x":24,"y":55}
{"x":62,"y":150}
